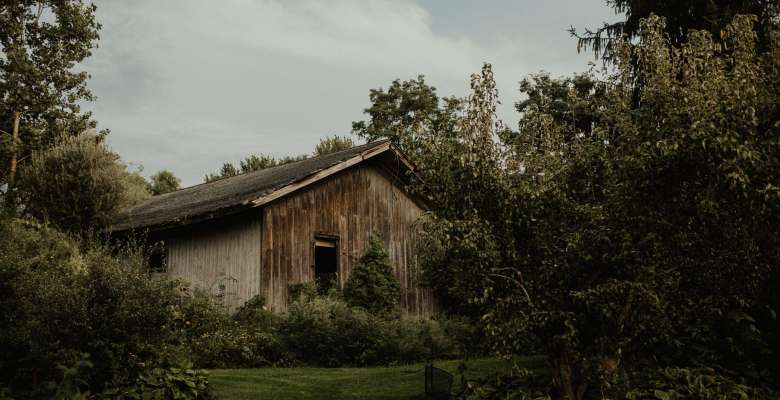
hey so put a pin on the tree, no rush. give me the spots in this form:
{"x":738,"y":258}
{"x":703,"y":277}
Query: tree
{"x":333,"y":144}
{"x":405,"y":113}
{"x":40,"y":91}
{"x":163,"y":182}
{"x":681,"y":17}
{"x":251,"y":164}
{"x":643,"y":240}
{"x":79,"y":184}
{"x":371,"y":284}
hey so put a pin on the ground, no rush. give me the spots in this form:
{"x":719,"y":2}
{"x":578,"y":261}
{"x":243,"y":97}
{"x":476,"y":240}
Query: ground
{"x":380,"y":383}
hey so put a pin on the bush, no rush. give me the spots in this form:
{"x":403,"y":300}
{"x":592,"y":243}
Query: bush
{"x":326,"y":331}
{"x":248,"y":339}
{"x":61,"y":300}
{"x":78,"y":184}
{"x":371,"y":284}
{"x":686,"y":384}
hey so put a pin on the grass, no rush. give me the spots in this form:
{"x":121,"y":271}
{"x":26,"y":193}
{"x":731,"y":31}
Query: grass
{"x":379,"y":383}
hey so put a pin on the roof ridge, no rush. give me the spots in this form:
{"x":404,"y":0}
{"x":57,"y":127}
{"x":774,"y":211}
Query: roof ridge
{"x":374,"y":144}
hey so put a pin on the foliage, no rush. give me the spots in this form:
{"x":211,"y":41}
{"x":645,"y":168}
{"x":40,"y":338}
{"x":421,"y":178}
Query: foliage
{"x":163,"y":182}
{"x":79,"y":184}
{"x":40,"y":86}
{"x":333,"y":144}
{"x":407,"y":113}
{"x":302,"y":290}
{"x":519,"y":384}
{"x":371,"y":283}
{"x":256,"y":162}
{"x":685,"y":384}
{"x":646,"y":236}
{"x":324,"y":331}
{"x":251,"y":164}
{"x":247,"y":339}
{"x":682,"y":16}
{"x":62,"y":300}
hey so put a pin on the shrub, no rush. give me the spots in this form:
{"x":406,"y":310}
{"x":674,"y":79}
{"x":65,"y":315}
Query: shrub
{"x":685,"y":384}
{"x":468,"y":337}
{"x":61,"y":300}
{"x":78,"y":184}
{"x":325,"y":331}
{"x":247,"y":339}
{"x":371,"y":284}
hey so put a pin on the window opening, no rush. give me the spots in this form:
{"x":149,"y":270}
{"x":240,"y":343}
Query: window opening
{"x":325,"y":263}
{"x":158,"y":258}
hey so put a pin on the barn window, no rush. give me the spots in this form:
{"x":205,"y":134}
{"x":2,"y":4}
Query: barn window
{"x":158,"y":258}
{"x":326,"y":252}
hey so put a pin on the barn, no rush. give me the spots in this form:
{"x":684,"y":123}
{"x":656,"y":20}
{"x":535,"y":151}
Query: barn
{"x":257,"y":233}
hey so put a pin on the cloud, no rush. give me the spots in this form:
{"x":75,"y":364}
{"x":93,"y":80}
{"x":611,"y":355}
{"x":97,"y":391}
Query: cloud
{"x":188,"y":84}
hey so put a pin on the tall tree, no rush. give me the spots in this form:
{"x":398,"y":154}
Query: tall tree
{"x":644,"y":240}
{"x":40,"y":92}
{"x":163,"y":182}
{"x":406,"y":112}
{"x":681,"y":17}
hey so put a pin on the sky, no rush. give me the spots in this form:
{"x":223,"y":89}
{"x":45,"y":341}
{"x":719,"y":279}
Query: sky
{"x":186,"y":85}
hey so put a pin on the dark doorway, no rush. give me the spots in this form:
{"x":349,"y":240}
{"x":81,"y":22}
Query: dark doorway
{"x":326,"y":264}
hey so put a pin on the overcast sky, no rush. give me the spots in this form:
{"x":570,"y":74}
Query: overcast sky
{"x":187,"y":84}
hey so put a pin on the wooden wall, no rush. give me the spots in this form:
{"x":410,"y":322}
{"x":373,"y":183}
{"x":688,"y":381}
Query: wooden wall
{"x":217,"y":253}
{"x":262,"y":251}
{"x":349,"y":205}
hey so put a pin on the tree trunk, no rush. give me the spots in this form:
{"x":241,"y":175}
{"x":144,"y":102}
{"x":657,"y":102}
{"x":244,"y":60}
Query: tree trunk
{"x":14,"y":152}
{"x":9,"y":195}
{"x":568,"y":376}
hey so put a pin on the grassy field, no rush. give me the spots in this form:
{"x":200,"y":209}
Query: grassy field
{"x":380,"y":383}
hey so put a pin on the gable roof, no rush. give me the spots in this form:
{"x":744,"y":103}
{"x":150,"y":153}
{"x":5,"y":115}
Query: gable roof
{"x":253,"y":189}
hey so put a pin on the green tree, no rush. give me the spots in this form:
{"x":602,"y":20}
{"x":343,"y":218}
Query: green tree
{"x":79,"y":184}
{"x":681,"y":17}
{"x":406,"y":113}
{"x":163,"y":182}
{"x":333,"y":144}
{"x":41,"y":91}
{"x":250,"y":164}
{"x":641,"y":241}
{"x":371,"y":283}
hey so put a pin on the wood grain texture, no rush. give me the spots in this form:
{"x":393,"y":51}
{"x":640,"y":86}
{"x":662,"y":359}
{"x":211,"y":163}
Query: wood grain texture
{"x":222,"y":257}
{"x":350,"y":205}
{"x":263,"y":250}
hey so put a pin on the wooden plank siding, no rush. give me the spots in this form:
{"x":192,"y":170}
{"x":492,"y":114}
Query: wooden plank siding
{"x":224,"y":252}
{"x":263,"y":250}
{"x":350,"y":205}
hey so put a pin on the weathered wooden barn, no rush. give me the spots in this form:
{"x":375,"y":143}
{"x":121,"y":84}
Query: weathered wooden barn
{"x":258,"y":232}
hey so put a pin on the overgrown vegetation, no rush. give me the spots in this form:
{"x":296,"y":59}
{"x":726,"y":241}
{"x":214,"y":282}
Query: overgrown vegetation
{"x":630,"y":226}
{"x":80,"y":320}
{"x":327,"y":330}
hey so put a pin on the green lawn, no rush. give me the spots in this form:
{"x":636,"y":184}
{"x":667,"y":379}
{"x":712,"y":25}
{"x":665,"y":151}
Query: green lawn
{"x":380,"y":383}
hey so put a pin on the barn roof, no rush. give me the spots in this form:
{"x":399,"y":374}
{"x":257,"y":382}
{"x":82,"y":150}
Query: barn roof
{"x":236,"y":193}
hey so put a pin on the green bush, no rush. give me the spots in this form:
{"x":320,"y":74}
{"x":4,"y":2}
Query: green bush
{"x":326,"y":331}
{"x":78,"y":184}
{"x":371,"y":284}
{"x":686,"y":384}
{"x":246,"y":339}
{"x":60,"y":300}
